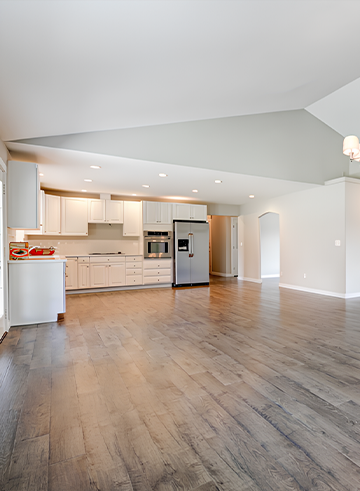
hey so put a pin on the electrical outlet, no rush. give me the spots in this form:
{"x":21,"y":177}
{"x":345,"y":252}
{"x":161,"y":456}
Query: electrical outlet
{"x":304,"y":275}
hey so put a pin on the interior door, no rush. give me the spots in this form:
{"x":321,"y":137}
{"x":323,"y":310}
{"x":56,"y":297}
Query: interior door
{"x":200,"y":249}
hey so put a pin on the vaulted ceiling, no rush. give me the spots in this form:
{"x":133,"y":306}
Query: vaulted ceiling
{"x":262,"y":89}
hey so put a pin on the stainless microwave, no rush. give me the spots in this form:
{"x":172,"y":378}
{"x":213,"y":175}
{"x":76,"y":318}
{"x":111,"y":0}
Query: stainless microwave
{"x":157,"y":244}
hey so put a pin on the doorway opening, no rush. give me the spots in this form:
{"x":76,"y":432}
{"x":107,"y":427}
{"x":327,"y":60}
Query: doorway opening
{"x":269,"y":245}
{"x":223,"y":245}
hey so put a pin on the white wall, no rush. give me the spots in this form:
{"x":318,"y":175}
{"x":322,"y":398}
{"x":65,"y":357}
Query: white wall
{"x":310,"y":222}
{"x":270,"y":245}
{"x":223,"y":210}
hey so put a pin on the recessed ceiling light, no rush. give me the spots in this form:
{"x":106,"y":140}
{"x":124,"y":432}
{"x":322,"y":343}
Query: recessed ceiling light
{"x":95,"y":167}
{"x":84,"y":191}
{"x":41,"y":174}
{"x":162,"y":175}
{"x":251,"y":196}
{"x":195,"y":191}
{"x":218,"y":181}
{"x":145,"y":186}
{"x":133,"y":194}
{"x":88,"y":180}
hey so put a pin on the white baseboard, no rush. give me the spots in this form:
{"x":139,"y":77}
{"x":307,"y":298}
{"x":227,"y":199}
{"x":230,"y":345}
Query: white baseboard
{"x":352,"y":295}
{"x":227,"y":275}
{"x":320,"y":292}
{"x":270,"y":276}
{"x":118,"y":288}
{"x":253,"y":280}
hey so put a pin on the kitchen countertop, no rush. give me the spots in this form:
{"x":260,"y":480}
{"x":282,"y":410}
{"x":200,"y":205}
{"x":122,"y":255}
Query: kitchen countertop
{"x":51,"y":259}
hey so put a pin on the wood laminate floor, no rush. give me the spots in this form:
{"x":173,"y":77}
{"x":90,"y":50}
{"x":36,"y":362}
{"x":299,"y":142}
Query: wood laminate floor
{"x":239,"y":386}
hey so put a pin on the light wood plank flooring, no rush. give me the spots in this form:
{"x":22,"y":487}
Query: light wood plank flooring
{"x":237,"y":387}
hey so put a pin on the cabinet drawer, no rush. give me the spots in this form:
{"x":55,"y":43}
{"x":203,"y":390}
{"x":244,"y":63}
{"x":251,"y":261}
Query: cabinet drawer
{"x":133,"y":258}
{"x":134,"y":280}
{"x":134,"y":264}
{"x":131,"y":272}
{"x":152,"y":280}
{"x":106,"y":260}
{"x":157,"y":263}
{"x":157,"y":272}
{"x":83,"y":260}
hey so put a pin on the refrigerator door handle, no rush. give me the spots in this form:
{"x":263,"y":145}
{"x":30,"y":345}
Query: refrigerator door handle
{"x":191,"y":244}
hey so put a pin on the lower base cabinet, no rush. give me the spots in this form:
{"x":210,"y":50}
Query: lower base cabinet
{"x":71,"y":274}
{"x":116,"y":274}
{"x":157,"y":271}
{"x":107,"y":271}
{"x":83,"y":272}
{"x":134,"y":270}
{"x":104,"y":271}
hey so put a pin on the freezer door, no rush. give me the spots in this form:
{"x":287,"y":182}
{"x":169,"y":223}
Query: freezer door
{"x":200,"y":249}
{"x":182,"y":246}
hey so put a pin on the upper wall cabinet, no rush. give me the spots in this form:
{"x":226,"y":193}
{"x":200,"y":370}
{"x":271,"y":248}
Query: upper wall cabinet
{"x":52,"y":215}
{"x":96,"y":210}
{"x":157,"y":213}
{"x":105,"y":211}
{"x":74,"y":216}
{"x":132,"y":218}
{"x":198,"y":212}
{"x":23,"y":195}
{"x":114,"y":211}
{"x":184,"y":211}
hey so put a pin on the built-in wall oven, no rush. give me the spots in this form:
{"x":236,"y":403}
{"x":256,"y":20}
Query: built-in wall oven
{"x":157,"y":244}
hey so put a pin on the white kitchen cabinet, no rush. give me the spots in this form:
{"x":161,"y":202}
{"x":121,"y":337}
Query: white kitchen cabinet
{"x":83,"y":272}
{"x":181,"y":211}
{"x":157,"y":213}
{"x":116,"y":274}
{"x":185,"y":211}
{"x":98,"y":275}
{"x":134,"y":270}
{"x":132,"y":218}
{"x":52,"y":215}
{"x":107,"y":271}
{"x":41,"y":230}
{"x":23,"y":195}
{"x":157,"y":271}
{"x":71,"y":282}
{"x":96,"y":210}
{"x":74,"y":216}
{"x":114,"y":211}
{"x":105,"y":211}
{"x":198,"y":212}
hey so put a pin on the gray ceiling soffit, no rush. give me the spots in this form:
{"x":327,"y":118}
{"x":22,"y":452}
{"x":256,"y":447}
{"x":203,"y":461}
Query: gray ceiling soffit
{"x":290,"y":145}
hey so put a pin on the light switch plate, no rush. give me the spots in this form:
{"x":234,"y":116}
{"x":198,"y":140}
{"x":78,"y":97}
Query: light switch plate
{"x":337,"y":243}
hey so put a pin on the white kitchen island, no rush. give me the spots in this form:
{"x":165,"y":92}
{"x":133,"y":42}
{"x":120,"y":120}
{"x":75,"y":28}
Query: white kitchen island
{"x":36,"y":290}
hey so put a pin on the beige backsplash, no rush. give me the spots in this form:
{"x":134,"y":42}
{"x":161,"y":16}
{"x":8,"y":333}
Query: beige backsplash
{"x":102,"y":238}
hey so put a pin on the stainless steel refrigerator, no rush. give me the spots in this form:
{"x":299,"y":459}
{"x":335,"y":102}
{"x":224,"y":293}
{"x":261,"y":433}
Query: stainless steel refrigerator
{"x":191,"y":253}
